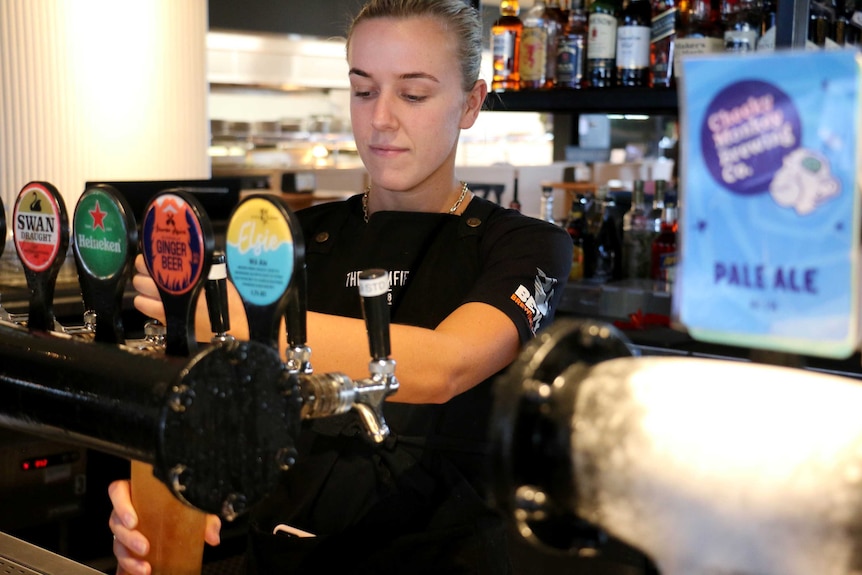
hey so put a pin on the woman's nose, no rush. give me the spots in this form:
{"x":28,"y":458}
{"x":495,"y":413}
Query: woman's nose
{"x":384,"y":116}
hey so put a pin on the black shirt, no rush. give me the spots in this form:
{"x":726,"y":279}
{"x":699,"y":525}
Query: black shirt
{"x":425,"y":487}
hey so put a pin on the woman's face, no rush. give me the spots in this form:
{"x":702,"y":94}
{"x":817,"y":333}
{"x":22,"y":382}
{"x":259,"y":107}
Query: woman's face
{"x":407,"y":104}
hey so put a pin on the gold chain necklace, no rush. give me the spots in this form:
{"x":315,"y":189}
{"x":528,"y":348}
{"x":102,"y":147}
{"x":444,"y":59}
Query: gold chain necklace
{"x":452,"y":210}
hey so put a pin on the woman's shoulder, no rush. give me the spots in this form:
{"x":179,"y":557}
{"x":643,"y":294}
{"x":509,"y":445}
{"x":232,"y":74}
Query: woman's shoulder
{"x":500,"y":220}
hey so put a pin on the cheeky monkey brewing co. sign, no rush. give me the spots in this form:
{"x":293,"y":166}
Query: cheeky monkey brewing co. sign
{"x":770,"y":207}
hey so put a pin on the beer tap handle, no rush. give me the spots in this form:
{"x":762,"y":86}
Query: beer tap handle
{"x":374,"y":290}
{"x":264,"y":250}
{"x":177,"y":244}
{"x":216,"y":296}
{"x":41,"y":236}
{"x":295,"y":316}
{"x":105,"y":244}
{"x":371,"y":393}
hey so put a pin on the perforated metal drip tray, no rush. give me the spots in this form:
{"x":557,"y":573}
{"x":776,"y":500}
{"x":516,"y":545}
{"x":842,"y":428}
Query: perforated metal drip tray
{"x":21,"y":558}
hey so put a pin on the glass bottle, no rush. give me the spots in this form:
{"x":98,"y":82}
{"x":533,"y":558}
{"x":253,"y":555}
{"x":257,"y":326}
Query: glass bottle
{"x":742,"y":22}
{"x":602,"y":43}
{"x":608,"y":242}
{"x":533,"y":59}
{"x":506,"y":47}
{"x":633,"y":43}
{"x":576,"y":227}
{"x":665,"y":21}
{"x":854,"y":22}
{"x":663,"y":249}
{"x":637,"y":235}
{"x":767,"y":27}
{"x":700,"y":32}
{"x":555,"y":21}
{"x":572,"y":49}
{"x":841,"y":24}
{"x":658,"y":198}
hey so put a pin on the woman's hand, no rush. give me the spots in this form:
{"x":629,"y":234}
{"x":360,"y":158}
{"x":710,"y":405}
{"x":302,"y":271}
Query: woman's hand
{"x":130,"y":545}
{"x":148,"y":301}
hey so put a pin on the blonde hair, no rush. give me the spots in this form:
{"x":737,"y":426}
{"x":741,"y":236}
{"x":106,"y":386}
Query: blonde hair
{"x":457,"y":16}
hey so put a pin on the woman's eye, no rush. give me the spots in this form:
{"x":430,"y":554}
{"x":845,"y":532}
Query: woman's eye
{"x":414,"y":98}
{"x":361,"y":93}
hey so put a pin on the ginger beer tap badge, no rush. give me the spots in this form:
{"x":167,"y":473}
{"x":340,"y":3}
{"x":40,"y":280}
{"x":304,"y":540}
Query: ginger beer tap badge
{"x":173,"y":244}
{"x":770,"y":216}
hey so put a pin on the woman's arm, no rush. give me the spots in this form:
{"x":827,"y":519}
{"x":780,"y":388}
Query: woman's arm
{"x":432,"y":366}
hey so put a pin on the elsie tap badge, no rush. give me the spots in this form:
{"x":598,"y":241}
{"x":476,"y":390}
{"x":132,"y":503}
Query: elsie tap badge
{"x":37,"y":227}
{"x":100,"y":234}
{"x":260,"y":251}
{"x":173,"y":244}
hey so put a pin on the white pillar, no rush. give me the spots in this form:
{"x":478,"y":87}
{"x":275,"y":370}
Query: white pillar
{"x":101,"y":90}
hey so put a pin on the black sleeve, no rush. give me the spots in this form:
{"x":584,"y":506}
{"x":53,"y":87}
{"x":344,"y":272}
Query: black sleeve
{"x":525,"y":267}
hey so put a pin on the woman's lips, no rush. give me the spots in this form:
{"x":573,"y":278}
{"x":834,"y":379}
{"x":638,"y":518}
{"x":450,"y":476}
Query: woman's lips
{"x":387,"y":150}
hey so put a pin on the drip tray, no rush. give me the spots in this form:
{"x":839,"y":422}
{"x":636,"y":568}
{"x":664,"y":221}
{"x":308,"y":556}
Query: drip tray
{"x":21,"y":558}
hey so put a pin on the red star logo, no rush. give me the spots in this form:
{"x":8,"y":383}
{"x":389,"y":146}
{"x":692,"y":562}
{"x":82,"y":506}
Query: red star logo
{"x":98,"y":217}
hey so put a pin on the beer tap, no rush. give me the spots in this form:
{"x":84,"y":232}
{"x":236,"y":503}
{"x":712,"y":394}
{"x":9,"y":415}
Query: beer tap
{"x":334,"y":393}
{"x":216,"y":297}
{"x":105,"y":236}
{"x":265,"y":261}
{"x":177,"y":244}
{"x":41,"y":235}
{"x":372,"y":392}
{"x":298,"y":352}
{"x":263,"y":250}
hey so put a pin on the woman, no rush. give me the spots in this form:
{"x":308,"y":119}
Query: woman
{"x":470,"y":283}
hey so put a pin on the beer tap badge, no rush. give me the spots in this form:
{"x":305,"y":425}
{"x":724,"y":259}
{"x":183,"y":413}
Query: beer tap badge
{"x":37,"y":222}
{"x":260,"y":251}
{"x":173,"y":245}
{"x":100,"y":234}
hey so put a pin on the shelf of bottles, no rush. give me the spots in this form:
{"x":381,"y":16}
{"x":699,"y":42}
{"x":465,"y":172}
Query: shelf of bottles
{"x":623,"y":55}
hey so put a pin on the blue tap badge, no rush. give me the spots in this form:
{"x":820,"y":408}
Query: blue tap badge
{"x":769,"y":226}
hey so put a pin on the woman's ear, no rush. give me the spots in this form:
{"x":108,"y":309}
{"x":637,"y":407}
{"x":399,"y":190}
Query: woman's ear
{"x":473,"y":105}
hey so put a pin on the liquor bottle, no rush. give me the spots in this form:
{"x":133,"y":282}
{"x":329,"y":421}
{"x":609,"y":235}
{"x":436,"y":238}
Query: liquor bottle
{"x":602,"y":44}
{"x":663,"y":249}
{"x":608,"y":241}
{"x":742,"y":22}
{"x":506,"y":47}
{"x":515,"y":204}
{"x":853,"y":34}
{"x":657,"y":211}
{"x":767,"y":28}
{"x":819,"y":22}
{"x":572,"y":49}
{"x":841,"y":25}
{"x":633,"y":43}
{"x":555,"y":22}
{"x":665,"y":22}
{"x":576,"y":226}
{"x":533,"y":59}
{"x":700,"y":32}
{"x":638,"y":234}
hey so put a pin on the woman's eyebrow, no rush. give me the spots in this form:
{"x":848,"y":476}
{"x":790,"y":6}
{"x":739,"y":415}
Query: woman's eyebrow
{"x":407,"y":76}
